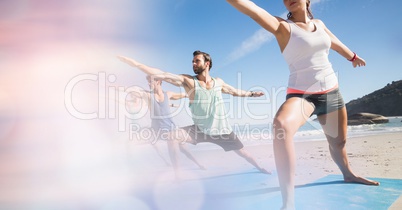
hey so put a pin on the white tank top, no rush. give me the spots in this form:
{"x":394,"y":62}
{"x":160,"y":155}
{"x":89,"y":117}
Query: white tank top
{"x":307,"y":56}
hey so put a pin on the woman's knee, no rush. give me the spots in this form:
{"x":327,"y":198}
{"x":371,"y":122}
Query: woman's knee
{"x":285,"y":127}
{"x":279,"y":128}
{"x":283,"y":124}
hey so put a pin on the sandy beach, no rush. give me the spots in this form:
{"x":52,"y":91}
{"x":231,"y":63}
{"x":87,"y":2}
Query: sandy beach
{"x":374,"y":156}
{"x":91,"y":172}
{"x":370,"y":156}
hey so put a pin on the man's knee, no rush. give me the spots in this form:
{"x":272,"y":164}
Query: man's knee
{"x":337,"y":143}
{"x":181,"y":136}
{"x":241,"y":152}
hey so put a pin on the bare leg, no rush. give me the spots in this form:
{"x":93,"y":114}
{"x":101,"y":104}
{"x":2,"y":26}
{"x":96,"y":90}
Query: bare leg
{"x":244,"y":154}
{"x":334,"y":125}
{"x":291,"y":115}
{"x":160,"y":154}
{"x":176,"y":138}
{"x":184,"y":150}
{"x":172,"y":149}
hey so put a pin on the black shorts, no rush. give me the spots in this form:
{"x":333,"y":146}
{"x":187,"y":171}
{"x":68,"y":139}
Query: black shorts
{"x":227,"y":141}
{"x":323,"y":103}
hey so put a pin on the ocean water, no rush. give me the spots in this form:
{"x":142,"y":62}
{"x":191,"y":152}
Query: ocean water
{"x":261,"y":134}
{"x":312,"y":131}
{"x":394,"y":125}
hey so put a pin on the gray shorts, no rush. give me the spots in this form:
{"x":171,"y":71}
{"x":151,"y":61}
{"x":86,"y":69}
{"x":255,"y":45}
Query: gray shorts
{"x":228,"y":142}
{"x":323,"y":103}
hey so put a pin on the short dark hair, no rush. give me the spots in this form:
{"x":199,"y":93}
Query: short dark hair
{"x":207,"y":57}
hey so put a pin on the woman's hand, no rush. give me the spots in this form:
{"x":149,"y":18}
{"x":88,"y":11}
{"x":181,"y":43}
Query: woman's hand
{"x":358,"y":62}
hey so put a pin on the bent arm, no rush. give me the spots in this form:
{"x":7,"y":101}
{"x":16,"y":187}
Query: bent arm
{"x":157,"y":73}
{"x":342,"y":49}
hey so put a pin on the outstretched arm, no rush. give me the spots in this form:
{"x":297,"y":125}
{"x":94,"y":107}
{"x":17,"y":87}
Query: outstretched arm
{"x":157,"y":73}
{"x":228,"y":89}
{"x":174,"y":105}
{"x":137,"y":97}
{"x":342,"y":49}
{"x":176,"y":96}
{"x":133,"y":92}
{"x":171,"y":78}
{"x":258,"y":14}
{"x":276,"y":25}
{"x":137,"y":92}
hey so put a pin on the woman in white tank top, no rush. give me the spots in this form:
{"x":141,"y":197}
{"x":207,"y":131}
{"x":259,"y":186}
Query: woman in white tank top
{"x":312,"y":89}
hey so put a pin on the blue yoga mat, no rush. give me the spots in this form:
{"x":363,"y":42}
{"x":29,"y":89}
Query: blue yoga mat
{"x":257,"y":191}
{"x":328,"y":193}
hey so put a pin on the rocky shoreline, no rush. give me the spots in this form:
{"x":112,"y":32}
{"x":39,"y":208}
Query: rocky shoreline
{"x":366,"y":118}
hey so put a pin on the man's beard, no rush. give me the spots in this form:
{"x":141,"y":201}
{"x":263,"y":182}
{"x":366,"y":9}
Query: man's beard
{"x":198,"y":70}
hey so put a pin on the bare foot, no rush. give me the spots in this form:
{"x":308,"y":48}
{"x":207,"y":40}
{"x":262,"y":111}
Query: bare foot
{"x":361,"y":180}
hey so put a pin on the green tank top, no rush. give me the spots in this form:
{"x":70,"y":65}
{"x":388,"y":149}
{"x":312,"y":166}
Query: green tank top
{"x":208,"y":109}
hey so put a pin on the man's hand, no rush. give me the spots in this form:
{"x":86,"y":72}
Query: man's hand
{"x":256,"y":93}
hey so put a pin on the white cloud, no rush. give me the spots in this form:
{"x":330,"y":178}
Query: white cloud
{"x":253,"y":43}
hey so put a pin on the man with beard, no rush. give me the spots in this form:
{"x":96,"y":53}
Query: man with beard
{"x":206,"y":105}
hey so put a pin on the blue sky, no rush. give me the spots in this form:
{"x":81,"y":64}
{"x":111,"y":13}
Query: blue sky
{"x":56,"y":55}
{"x":368,"y":27}
{"x":241,"y":49}
{"x":48,"y":43}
